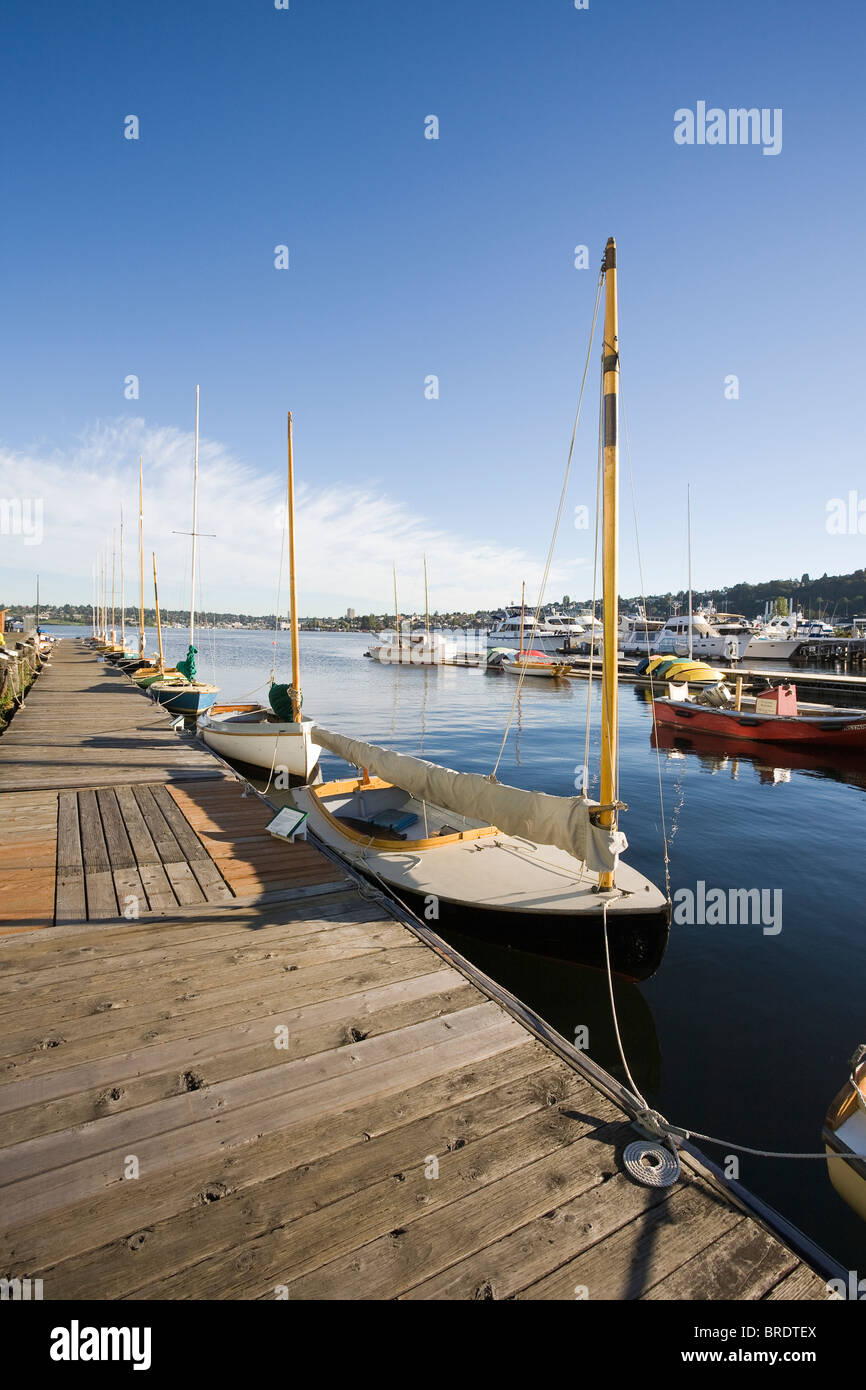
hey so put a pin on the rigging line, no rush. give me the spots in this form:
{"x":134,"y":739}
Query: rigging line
{"x":665,"y":841}
{"x":559,"y":512}
{"x":671,"y":1132}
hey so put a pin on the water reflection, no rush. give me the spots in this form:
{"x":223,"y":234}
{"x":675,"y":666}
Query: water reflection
{"x":772,"y":764}
{"x":570,"y":997}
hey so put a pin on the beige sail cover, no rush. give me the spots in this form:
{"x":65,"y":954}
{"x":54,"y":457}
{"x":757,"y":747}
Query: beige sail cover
{"x":548,"y":820}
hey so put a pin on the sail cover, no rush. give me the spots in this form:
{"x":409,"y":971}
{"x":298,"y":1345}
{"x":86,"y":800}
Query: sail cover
{"x":563,"y":821}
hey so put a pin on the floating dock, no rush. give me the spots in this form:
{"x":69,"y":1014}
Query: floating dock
{"x":231,"y":1071}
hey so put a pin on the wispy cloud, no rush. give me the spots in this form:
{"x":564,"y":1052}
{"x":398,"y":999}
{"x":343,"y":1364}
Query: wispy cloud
{"x":347,"y":537}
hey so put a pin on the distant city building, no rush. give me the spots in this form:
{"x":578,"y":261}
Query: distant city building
{"x":350,"y":614}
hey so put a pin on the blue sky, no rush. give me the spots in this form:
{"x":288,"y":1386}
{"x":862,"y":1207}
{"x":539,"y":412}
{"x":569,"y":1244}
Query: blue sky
{"x":411,"y":257}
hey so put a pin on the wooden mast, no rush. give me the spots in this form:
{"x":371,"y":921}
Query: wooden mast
{"x":113,"y":563}
{"x":140,"y":563}
{"x":295,"y":693}
{"x":609,"y":690}
{"x":194,"y":526}
{"x":396,"y":609}
{"x":158,"y":623}
{"x":122,"y":589}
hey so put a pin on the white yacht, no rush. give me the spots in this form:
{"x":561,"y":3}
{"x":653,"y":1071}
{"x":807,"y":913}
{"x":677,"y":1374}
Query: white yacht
{"x":637,"y":632}
{"x":547,"y":635}
{"x":728,"y":637}
{"x":778,"y":638}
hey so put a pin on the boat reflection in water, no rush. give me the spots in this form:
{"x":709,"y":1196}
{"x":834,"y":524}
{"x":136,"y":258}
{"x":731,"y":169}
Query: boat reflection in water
{"x":575,"y":1001}
{"x":772,"y":762}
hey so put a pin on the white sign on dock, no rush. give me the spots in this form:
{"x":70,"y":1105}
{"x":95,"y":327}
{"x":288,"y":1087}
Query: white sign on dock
{"x":289,"y":824}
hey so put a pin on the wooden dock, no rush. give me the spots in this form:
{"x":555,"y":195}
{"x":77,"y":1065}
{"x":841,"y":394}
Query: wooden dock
{"x":283,"y":1089}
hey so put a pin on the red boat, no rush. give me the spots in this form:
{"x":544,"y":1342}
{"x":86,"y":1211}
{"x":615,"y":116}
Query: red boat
{"x":775,"y":719}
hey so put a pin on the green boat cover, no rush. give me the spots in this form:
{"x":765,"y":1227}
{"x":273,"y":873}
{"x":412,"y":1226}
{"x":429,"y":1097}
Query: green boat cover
{"x":280,"y":700}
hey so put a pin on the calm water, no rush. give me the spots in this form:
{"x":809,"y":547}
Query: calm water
{"x":741,"y":1034}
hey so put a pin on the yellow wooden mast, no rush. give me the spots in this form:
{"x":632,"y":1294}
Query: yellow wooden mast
{"x":158,"y":623}
{"x":140,"y":562}
{"x":608,"y":794}
{"x":295,"y":693}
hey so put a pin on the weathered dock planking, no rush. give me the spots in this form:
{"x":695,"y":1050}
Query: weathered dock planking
{"x":291,"y":1092}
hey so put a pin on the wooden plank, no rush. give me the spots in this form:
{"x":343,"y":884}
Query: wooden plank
{"x":91,"y":1224}
{"x":801,"y":1283}
{"x":136,"y":828}
{"x":52,"y":1048}
{"x":504,"y":1267}
{"x":179,"y":825}
{"x":255,"y":1210}
{"x":120,"y":853}
{"x":167,"y":847}
{"x":183,"y":884}
{"x":34,"y":1197}
{"x":744,"y":1263}
{"x":627,"y":1264}
{"x":358,"y":1240}
{"x":70,"y":899}
{"x":65,"y":1099}
{"x":258,"y":963}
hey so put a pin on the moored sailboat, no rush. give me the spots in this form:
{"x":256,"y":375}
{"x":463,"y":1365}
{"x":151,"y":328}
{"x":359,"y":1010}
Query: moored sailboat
{"x":278,"y":737}
{"x":184,"y":694}
{"x":539,"y":872}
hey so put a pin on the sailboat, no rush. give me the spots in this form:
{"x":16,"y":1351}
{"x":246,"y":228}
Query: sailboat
{"x":279,"y":737}
{"x":137,"y":662}
{"x":538,"y":872}
{"x":531,"y":663}
{"x":183,"y":694}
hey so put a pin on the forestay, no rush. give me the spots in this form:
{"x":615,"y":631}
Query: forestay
{"x":563,"y":821}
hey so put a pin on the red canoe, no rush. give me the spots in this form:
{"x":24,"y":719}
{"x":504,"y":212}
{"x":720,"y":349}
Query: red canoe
{"x":846,"y":729}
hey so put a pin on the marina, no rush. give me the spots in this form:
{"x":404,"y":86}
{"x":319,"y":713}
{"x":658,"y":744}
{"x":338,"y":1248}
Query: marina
{"x":156,"y":1041}
{"x":432,"y":675}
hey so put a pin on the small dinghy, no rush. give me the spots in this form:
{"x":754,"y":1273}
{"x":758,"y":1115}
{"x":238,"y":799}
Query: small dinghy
{"x":845,"y":1134}
{"x":534,"y":663}
{"x":257,"y":736}
{"x":774,"y":719}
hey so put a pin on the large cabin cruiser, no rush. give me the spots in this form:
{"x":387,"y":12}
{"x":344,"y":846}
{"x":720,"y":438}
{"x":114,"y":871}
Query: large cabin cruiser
{"x":783,"y":635}
{"x":547,"y":635}
{"x":727,"y":637}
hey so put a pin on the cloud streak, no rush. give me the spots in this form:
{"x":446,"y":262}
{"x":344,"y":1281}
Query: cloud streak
{"x":347,"y":537}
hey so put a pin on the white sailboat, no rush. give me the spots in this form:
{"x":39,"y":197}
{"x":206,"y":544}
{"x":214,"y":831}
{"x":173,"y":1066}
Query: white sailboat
{"x":278,"y":738}
{"x":539,"y":872}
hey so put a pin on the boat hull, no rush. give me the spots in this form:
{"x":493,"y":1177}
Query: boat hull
{"x":549,"y":669}
{"x":637,"y":941}
{"x":831,"y":731}
{"x":245,"y":734}
{"x":188,"y":700}
{"x":495,"y":887}
{"x":845,"y":1135}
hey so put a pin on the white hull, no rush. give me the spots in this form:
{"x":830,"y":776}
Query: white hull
{"x":536,"y":668}
{"x":246,"y":735}
{"x":548,"y":643}
{"x":485,"y":869}
{"x":772,"y":648}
